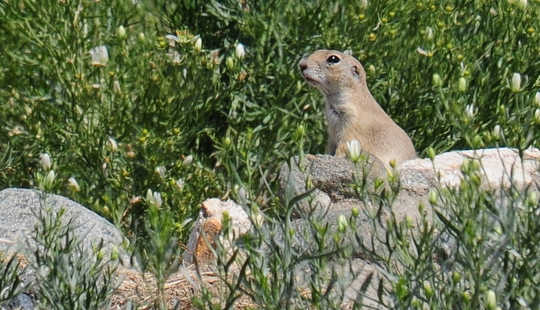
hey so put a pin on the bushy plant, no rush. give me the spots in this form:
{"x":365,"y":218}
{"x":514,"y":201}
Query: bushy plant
{"x":470,"y":248}
{"x":69,"y":274}
{"x":195,"y":99}
{"x":10,"y":280}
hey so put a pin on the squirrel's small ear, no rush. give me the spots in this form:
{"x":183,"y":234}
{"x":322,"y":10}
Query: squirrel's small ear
{"x":355,"y":71}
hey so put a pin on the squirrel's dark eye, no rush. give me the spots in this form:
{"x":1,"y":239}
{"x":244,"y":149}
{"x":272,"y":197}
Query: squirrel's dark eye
{"x":333,"y":59}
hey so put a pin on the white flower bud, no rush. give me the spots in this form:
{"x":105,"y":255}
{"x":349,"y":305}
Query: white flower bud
{"x":497,"y":131}
{"x":240,"y":51}
{"x":153,"y":198}
{"x":49,"y":179}
{"x":179,"y":184}
{"x":428,"y":289}
{"x":516,"y":82}
{"x":437,"y":81}
{"x":462,"y":84}
{"x":537,"y":98}
{"x":198,"y":44}
{"x":188,"y":160}
{"x":99,"y":55}
{"x":537,"y":116}
{"x":121,"y":32}
{"x":172,"y":39}
{"x":45,"y":161}
{"x":470,"y":111}
{"x":491,"y":300}
{"x":429,"y":33}
{"x":353,"y":150}
{"x":160,"y":171}
{"x":229,"y":62}
{"x":73,"y":184}
{"x":113,"y":146}
{"x":342,"y":223}
{"x":433,"y":197}
{"x":116,"y":87}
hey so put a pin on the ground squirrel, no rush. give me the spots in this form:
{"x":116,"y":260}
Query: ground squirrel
{"x":351,"y":111}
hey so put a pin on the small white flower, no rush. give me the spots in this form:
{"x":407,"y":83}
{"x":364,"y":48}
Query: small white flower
{"x":198,"y":44}
{"x":121,"y":32}
{"x":112,"y":144}
{"x":174,"y":57}
{"x":49,"y":179}
{"x":172,"y":39}
{"x":214,"y":57}
{"x":116,"y":87}
{"x":160,"y":171}
{"x":429,"y":33}
{"x":188,"y":160}
{"x":240,"y":51}
{"x":421,"y":51}
{"x":179,"y":184}
{"x":100,"y":56}
{"x":516,"y":82}
{"x":470,"y":110}
{"x":73,"y":184}
{"x":45,"y":161}
{"x":353,"y":149}
{"x":497,"y":131}
{"x":153,"y":198}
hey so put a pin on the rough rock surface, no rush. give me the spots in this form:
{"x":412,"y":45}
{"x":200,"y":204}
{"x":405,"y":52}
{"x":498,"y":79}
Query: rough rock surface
{"x":333,"y":176}
{"x":18,"y":210}
{"x":331,"y":180}
{"x":18,"y":217}
{"x":500,"y":167}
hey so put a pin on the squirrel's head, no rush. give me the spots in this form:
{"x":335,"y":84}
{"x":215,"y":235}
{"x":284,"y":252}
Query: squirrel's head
{"x":332,"y":72}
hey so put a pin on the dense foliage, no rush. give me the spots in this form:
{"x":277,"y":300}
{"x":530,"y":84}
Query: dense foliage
{"x":198,"y":99}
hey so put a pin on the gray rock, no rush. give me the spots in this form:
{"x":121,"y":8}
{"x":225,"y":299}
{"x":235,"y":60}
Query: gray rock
{"x":20,"y":302}
{"x":18,"y":210}
{"x":333,"y":195}
{"x":331,"y":178}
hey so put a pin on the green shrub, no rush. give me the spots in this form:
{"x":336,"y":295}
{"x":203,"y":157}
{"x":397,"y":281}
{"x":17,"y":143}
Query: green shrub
{"x":472,"y":248}
{"x":10,"y":280}
{"x":68,"y":275}
{"x":177,"y":110}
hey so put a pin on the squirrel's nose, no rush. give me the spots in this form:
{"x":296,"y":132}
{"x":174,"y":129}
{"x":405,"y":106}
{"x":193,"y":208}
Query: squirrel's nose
{"x":302,"y":65}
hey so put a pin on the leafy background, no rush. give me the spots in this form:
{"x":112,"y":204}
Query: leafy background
{"x":209,"y":123}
